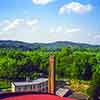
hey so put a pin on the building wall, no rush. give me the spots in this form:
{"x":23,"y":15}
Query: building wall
{"x":42,"y":87}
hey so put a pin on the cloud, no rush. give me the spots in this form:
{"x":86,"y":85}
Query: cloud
{"x":20,"y":23}
{"x":97,"y":37}
{"x":57,"y":29}
{"x":73,"y":30}
{"x":32,"y":22}
{"x":20,"y":29}
{"x":12,"y":25}
{"x":75,"y":7}
{"x":41,"y":2}
{"x":2,"y":23}
{"x":61,"y":29}
{"x":5,"y":21}
{"x":94,"y":38}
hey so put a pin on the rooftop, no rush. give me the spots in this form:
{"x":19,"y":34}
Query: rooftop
{"x":37,"y":97}
{"x":37,"y":81}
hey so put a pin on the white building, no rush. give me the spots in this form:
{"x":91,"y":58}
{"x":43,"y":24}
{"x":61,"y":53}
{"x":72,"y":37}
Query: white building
{"x":38,"y":85}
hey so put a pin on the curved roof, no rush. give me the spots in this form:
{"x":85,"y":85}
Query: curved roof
{"x":37,"y":97}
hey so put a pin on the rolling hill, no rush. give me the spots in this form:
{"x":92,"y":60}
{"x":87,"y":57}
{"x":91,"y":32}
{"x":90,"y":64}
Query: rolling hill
{"x":32,"y":46}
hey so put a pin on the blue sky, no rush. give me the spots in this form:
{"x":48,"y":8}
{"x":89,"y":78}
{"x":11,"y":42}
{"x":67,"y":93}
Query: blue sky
{"x":50,"y":20}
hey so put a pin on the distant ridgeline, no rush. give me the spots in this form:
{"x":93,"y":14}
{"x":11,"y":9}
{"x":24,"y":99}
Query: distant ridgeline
{"x":49,"y":46}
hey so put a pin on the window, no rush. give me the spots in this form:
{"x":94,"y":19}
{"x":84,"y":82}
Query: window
{"x":18,"y":89}
{"x":33,"y":86}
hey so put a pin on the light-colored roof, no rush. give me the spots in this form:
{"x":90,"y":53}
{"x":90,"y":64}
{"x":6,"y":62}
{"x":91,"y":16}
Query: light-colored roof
{"x":37,"y":81}
{"x":61,"y":92}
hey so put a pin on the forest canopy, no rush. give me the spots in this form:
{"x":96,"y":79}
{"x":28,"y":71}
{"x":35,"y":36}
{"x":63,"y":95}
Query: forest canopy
{"x":71,"y":63}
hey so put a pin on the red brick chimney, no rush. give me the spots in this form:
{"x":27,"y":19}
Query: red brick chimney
{"x":51,"y":76}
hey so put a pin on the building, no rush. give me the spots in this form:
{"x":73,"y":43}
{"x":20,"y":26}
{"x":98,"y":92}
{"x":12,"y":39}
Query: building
{"x":38,"y":85}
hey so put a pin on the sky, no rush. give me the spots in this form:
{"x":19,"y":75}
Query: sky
{"x":50,"y":20}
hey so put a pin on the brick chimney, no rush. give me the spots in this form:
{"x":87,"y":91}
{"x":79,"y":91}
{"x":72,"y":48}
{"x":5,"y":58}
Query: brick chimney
{"x":51,"y":76}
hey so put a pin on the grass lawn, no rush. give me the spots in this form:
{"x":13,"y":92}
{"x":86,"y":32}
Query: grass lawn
{"x":77,"y":85}
{"x":80,"y":86}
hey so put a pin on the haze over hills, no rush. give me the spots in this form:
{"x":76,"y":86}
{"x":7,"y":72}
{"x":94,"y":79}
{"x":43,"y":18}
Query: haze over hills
{"x":32,"y":46}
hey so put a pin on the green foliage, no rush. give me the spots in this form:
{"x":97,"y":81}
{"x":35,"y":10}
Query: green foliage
{"x":71,"y":63}
{"x":94,"y":90}
{"x":4,"y":84}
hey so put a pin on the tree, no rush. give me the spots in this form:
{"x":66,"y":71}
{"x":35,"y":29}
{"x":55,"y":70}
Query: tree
{"x":94,"y":90}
